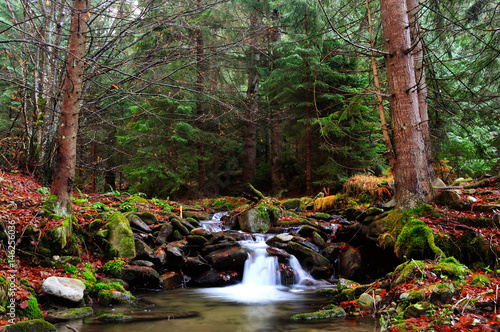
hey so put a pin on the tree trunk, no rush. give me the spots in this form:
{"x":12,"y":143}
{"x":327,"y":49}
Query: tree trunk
{"x":380,"y":104}
{"x":62,"y":184}
{"x":412,"y":185}
{"x":252,"y":107}
{"x":308,"y":123}
{"x":275,"y":118}
{"x":202,"y":165}
{"x":413,"y":7}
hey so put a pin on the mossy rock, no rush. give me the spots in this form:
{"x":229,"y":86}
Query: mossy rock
{"x":137,"y":199}
{"x":480,"y":280}
{"x":407,"y":271}
{"x":120,"y":236}
{"x":148,"y":217}
{"x":291,"y":204}
{"x":329,"y":312}
{"x":416,"y":240}
{"x":32,"y":311}
{"x":69,"y":314}
{"x":95,"y":225}
{"x":38,"y":325}
{"x":452,"y":268}
{"x":442,"y":292}
{"x":345,"y":294}
{"x":59,"y":236}
{"x":418,"y":309}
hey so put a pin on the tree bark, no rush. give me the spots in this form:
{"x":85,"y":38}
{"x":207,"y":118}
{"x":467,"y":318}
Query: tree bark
{"x":62,"y":184}
{"x":412,"y":186}
{"x":413,"y":7}
{"x":380,"y":104}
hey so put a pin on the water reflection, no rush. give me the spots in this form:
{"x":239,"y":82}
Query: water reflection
{"x":222,"y":315}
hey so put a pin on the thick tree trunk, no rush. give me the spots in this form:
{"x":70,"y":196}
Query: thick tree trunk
{"x":412,"y":186}
{"x":202,"y":165}
{"x":62,"y":184}
{"x":252,"y":107}
{"x":413,"y":7}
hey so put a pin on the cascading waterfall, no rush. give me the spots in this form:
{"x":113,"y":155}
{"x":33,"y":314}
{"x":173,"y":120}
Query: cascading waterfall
{"x":261,"y":280}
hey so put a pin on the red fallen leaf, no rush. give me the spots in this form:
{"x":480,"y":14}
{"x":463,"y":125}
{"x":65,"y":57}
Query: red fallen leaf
{"x":24,"y":304}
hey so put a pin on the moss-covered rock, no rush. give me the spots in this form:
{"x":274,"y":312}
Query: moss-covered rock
{"x":331,"y":311}
{"x":407,"y":271}
{"x":480,"y":280}
{"x":148,"y":217}
{"x":416,"y":239}
{"x":38,"y":325}
{"x":452,"y":268}
{"x":120,"y":237}
{"x":307,"y":257}
{"x":32,"y":311}
{"x":418,"y":309}
{"x":69,"y":314}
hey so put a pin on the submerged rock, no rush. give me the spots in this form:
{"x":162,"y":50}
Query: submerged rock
{"x":331,"y":311}
{"x":69,"y":314}
{"x":146,"y":316}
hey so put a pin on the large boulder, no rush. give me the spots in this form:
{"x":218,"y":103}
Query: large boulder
{"x":140,"y":276}
{"x":137,"y":223}
{"x":254,"y":220}
{"x":228,"y":259}
{"x":66,"y":288}
{"x":195,"y":266}
{"x":165,"y":232}
{"x":120,"y":236}
{"x":307,"y":257}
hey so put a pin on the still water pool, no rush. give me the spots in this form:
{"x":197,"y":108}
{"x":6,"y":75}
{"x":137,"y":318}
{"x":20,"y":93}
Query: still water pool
{"x":217,"y":311}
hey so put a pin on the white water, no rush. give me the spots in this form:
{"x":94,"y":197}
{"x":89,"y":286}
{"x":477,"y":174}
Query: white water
{"x":261,"y":281}
{"x":215,"y":224}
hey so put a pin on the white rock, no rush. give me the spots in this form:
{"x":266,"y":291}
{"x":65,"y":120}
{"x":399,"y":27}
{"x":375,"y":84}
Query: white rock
{"x":67,"y":288}
{"x":472,"y":199}
{"x":438,"y":183}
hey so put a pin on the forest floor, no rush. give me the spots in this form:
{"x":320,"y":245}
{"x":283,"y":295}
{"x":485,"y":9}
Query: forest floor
{"x":474,"y":305}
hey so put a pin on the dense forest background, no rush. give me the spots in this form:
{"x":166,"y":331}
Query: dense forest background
{"x":190,"y":99}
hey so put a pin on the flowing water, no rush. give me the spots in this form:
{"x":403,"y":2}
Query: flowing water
{"x":258,"y":303}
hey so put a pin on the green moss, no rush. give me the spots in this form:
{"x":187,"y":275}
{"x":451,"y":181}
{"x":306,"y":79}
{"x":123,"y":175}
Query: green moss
{"x":114,"y":267}
{"x":331,"y":312}
{"x":416,"y":239}
{"x":480,"y":280}
{"x":137,"y":199}
{"x":407,"y":271}
{"x":119,"y":317}
{"x":424,"y":210}
{"x":121,"y":236}
{"x":32,"y":311}
{"x":38,"y":325}
{"x":452,"y":270}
